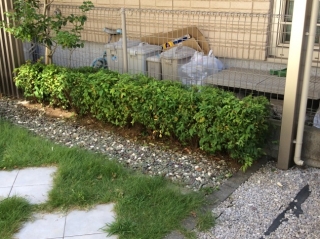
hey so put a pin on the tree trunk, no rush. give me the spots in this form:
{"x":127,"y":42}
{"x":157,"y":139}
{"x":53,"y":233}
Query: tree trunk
{"x":48,"y":56}
{"x":48,"y":51}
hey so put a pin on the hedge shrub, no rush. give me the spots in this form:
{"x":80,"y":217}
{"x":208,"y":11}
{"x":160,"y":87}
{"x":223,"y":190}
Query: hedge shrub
{"x":216,"y":119}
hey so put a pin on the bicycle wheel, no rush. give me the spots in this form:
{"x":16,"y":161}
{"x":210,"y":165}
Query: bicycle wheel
{"x":99,"y":63}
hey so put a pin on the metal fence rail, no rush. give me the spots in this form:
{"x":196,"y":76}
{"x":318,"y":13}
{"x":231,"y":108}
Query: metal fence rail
{"x":250,"y":47}
{"x":11,"y":56}
{"x":250,"y":53}
{"x":93,"y":34}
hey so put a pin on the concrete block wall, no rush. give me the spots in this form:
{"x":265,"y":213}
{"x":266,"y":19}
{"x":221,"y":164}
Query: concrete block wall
{"x":311,"y":140}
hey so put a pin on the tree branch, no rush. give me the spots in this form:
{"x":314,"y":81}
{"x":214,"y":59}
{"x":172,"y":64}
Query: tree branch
{"x":53,"y":50}
{"x":48,"y":4}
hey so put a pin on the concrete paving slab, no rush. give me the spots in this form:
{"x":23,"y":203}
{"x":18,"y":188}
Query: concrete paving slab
{"x":34,"y":194}
{"x":35,"y":176}
{"x":4,"y":192}
{"x":43,"y":226}
{"x":175,"y":235}
{"x":7,"y":178}
{"x":237,"y":78}
{"x":273,"y":84}
{"x":89,"y":222}
{"x":93,"y":236}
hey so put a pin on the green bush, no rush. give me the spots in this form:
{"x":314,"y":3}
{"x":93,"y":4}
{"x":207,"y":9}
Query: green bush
{"x":237,"y":126}
{"x":29,"y":78}
{"x":43,"y":83}
{"x":214,"y":118}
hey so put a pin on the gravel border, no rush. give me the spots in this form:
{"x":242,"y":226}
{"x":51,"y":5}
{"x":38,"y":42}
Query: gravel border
{"x":246,"y":214}
{"x":254,"y":206}
{"x":195,"y":171}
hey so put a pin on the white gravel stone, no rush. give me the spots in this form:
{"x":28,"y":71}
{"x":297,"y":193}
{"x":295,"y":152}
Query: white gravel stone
{"x":252,"y":208}
{"x":150,"y":159}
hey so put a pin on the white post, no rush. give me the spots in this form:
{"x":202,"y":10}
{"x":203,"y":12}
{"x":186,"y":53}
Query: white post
{"x":305,"y":85}
{"x":124,"y":40}
{"x":295,"y":71}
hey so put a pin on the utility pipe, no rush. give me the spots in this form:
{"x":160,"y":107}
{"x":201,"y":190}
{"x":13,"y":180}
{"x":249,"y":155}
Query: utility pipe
{"x":124,"y":40}
{"x":305,"y":85}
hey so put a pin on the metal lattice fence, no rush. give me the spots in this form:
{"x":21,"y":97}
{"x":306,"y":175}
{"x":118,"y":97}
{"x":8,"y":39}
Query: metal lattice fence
{"x":250,"y":51}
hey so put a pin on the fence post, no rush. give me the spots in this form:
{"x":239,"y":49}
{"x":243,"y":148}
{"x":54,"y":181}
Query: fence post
{"x":124,"y":40}
{"x":295,"y":72}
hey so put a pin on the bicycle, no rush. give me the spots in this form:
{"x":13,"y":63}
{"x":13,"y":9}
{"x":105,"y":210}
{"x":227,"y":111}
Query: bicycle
{"x":101,"y":62}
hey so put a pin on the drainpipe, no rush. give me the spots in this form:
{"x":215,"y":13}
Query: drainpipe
{"x":305,"y":86}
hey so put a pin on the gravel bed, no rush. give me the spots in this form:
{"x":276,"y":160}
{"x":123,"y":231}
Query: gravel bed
{"x":251,"y":209}
{"x":192,"y":170}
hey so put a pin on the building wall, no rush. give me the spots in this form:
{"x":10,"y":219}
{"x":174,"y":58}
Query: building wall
{"x":242,"y":34}
{"x":250,"y":6}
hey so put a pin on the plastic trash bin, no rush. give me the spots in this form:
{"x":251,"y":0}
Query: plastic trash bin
{"x":154,"y":67}
{"x":137,"y":57}
{"x":172,"y":59}
{"x":115,"y":54}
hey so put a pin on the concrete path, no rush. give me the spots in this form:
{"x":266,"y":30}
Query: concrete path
{"x":34,"y":184}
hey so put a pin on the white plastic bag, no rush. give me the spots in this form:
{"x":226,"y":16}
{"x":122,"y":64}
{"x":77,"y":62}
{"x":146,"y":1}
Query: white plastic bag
{"x":219,"y":64}
{"x":199,"y":67}
{"x":316,"y":119}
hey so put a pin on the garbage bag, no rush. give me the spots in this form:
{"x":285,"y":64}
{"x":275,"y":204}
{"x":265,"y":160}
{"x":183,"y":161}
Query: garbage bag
{"x":199,"y":67}
{"x":316,"y":119}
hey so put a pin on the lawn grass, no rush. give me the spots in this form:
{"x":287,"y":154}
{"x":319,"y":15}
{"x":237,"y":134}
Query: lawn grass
{"x":146,"y":207}
{"x":13,"y":212}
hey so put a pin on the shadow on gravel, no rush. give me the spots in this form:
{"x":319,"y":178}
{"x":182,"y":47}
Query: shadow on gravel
{"x":295,"y":206}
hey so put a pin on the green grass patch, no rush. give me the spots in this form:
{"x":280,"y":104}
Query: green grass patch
{"x":146,"y":207}
{"x":13,"y":212}
{"x":19,"y":148}
{"x":205,"y":221}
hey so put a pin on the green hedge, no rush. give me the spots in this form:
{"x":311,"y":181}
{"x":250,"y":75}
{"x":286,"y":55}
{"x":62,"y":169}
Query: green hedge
{"x":214,"y":118}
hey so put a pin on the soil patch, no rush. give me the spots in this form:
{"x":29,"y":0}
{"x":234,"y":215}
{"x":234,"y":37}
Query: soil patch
{"x":49,"y":111}
{"x":137,"y":133}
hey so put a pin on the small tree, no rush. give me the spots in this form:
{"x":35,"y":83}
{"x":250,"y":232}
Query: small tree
{"x":27,"y":23}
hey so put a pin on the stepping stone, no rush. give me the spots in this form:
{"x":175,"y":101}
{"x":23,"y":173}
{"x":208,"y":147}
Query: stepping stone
{"x":7,"y":178}
{"x":4,"y":192}
{"x":34,"y":184}
{"x":89,"y":222}
{"x":34,"y":176}
{"x":43,"y":226}
{"x":30,"y":183}
{"x":76,"y":225}
{"x":34,"y":194}
{"x":92,"y":236}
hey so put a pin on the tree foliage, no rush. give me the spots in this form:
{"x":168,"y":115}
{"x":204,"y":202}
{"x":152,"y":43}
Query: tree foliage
{"x":30,"y":21}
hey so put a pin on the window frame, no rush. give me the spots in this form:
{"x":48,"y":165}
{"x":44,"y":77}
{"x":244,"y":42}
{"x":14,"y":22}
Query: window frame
{"x":278,"y":48}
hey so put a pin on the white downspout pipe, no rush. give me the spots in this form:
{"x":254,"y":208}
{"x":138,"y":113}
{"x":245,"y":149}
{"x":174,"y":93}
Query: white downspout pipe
{"x":305,"y":86}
